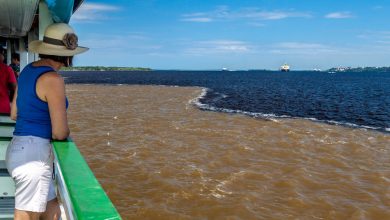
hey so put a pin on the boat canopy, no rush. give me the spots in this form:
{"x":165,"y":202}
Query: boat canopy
{"x":17,"y":16}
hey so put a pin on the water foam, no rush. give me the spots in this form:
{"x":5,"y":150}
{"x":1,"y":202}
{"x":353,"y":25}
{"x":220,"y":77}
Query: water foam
{"x":197,"y":101}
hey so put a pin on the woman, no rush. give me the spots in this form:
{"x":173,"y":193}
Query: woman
{"x":39,"y":108}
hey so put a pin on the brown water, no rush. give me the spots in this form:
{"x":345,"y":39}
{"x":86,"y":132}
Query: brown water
{"x":158,"y":157}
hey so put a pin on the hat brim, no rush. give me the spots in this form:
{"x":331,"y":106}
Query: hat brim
{"x":48,"y":49}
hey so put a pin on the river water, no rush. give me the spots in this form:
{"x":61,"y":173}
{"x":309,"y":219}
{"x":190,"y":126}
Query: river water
{"x":158,"y":156}
{"x":348,"y":99}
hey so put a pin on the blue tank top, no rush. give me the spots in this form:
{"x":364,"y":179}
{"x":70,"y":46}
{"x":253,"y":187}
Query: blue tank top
{"x":33,"y":117}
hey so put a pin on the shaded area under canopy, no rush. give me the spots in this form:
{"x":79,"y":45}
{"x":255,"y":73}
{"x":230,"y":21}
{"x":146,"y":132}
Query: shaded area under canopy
{"x":17,"y":17}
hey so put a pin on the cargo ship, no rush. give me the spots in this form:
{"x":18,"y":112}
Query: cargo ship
{"x":285,"y":68}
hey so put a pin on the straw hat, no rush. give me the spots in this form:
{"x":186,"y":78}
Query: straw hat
{"x":59,"y":40}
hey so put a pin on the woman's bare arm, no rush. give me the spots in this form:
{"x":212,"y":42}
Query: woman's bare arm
{"x":14,"y":110}
{"x":51,"y":87}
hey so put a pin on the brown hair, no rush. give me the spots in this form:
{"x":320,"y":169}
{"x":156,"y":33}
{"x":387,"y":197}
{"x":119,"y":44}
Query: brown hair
{"x":67,"y":61}
{"x":15,"y":56}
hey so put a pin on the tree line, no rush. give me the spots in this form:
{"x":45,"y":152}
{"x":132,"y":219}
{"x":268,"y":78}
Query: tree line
{"x":104,"y":68}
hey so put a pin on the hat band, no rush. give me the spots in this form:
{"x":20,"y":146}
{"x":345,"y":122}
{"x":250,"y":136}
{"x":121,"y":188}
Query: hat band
{"x":53,"y":41}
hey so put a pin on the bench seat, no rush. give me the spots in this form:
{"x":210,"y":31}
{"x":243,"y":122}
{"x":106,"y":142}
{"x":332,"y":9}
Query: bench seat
{"x":7,"y":186}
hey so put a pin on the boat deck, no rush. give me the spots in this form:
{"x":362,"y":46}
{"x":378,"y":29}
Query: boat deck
{"x":80,"y":193}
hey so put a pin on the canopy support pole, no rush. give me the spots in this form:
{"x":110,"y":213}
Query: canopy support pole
{"x":33,"y":35}
{"x":23,"y":54}
{"x":9,"y":51}
{"x":45,"y":18}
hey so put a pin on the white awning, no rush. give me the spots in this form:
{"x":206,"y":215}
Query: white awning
{"x":16,"y":17}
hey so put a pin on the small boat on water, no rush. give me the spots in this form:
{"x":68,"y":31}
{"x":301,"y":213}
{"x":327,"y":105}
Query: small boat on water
{"x":285,"y":68}
{"x":80,"y":194}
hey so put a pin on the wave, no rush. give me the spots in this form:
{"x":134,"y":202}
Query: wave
{"x":197,"y":101}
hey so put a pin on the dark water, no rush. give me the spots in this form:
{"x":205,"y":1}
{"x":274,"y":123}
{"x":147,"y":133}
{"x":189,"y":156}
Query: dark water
{"x":350,"y":99}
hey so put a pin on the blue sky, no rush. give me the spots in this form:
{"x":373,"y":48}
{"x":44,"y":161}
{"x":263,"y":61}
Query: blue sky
{"x":239,"y":34}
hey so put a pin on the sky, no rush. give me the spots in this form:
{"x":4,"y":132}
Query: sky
{"x":235,"y":34}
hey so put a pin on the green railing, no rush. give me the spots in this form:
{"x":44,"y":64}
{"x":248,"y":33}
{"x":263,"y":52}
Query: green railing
{"x":80,"y":193}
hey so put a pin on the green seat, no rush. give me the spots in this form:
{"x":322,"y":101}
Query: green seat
{"x":7,"y":187}
{"x":6,"y":119}
{"x":6,"y":129}
{"x":4,"y":141}
{"x":7,"y":205}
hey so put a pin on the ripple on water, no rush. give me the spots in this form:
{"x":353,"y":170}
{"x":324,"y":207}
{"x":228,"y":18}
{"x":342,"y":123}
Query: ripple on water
{"x":169,"y":160}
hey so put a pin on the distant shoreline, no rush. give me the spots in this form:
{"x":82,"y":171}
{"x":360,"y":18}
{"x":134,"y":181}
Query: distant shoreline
{"x":360,"y":69}
{"x":103,"y":68}
{"x":331,"y":70}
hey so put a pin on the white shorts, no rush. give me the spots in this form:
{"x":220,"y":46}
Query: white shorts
{"x":29,"y":160}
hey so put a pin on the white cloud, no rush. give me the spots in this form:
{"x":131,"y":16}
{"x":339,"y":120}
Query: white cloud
{"x":198,"y":19}
{"x":98,"y":7}
{"x":384,"y":34}
{"x":273,"y":15}
{"x":374,"y":35}
{"x":229,"y":47}
{"x":378,"y":7}
{"x":91,"y":12}
{"x":383,"y":42}
{"x":298,"y":45}
{"x":131,"y":42}
{"x":218,"y":47}
{"x":339,"y":15}
{"x":376,"y":39}
{"x":256,"y":24}
{"x":302,"y":48}
{"x":223,"y":13}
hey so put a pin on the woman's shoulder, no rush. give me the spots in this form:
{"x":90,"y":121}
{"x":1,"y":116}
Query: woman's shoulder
{"x":50,"y":83}
{"x":51,"y":77}
{"x":36,"y":68}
